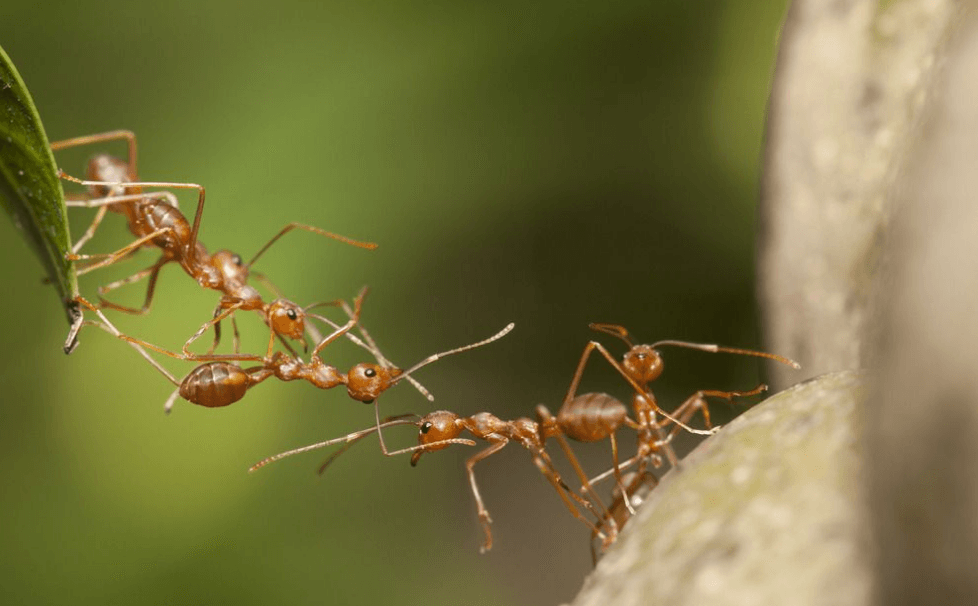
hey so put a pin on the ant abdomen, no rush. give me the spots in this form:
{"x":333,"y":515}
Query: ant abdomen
{"x":591,"y":417}
{"x":215,"y":384}
{"x":158,"y":215}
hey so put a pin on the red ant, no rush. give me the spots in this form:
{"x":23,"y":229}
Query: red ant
{"x":113,"y":186}
{"x":220,"y":383}
{"x":439,"y":429}
{"x":626,"y":499}
{"x":643,"y":364}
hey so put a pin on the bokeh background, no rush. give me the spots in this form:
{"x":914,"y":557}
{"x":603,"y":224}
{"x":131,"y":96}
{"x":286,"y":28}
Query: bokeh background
{"x":551,"y":164}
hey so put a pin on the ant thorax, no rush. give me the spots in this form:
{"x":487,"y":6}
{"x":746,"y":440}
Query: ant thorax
{"x":231,"y":267}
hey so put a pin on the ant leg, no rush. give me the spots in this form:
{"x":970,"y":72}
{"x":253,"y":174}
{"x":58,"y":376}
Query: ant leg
{"x":153,"y":273}
{"x":91,"y":229}
{"x":236,"y":336}
{"x":546,"y":423}
{"x":546,"y":467}
{"x":217,"y":331}
{"x":315,"y":230}
{"x":354,"y":318}
{"x":616,"y":468}
{"x":614,"y":330}
{"x":192,"y":356}
{"x":698,"y":402}
{"x":483,"y":513}
{"x":115,"y":257}
{"x":113,"y":135}
{"x":86,"y":202}
{"x":212,"y":322}
{"x":111,"y":329}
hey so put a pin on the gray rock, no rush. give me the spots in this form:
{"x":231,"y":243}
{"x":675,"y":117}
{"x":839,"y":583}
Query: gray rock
{"x":764,"y":512}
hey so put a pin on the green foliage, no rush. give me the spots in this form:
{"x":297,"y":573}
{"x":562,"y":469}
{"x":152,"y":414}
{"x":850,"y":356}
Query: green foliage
{"x":30,"y":190}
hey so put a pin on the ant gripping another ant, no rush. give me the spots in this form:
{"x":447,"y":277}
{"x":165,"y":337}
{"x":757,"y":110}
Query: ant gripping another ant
{"x":586,"y":418}
{"x":596,"y":416}
{"x":155,"y":220}
{"x":219,"y":383}
{"x":625,"y":500}
{"x":641,"y":365}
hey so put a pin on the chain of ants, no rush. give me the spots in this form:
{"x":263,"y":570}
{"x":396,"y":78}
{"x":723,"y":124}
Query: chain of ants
{"x":155,"y":221}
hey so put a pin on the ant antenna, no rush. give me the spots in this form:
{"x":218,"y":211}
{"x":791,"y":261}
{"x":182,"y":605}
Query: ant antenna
{"x":614,"y":330}
{"x":350,"y":439}
{"x":499,"y":335}
{"x":622,"y":333}
{"x":315,"y":230}
{"x":380,"y":435}
{"x":348,"y":445}
{"x":734,"y":350}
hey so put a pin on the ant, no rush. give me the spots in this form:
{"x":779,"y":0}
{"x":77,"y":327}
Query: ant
{"x":642,"y":364}
{"x":155,"y":222}
{"x":439,"y":429}
{"x":218,"y":382}
{"x":625,"y":500}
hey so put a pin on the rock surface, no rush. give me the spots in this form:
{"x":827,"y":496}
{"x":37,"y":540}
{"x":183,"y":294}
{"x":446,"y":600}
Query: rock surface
{"x":767,"y":511}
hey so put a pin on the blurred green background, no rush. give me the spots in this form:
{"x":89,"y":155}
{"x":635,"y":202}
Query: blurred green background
{"x":551,"y":164}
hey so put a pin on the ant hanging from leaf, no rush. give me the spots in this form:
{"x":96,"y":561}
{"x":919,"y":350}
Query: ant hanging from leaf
{"x":155,"y":220}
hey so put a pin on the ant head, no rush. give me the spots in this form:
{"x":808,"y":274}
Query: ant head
{"x":436,"y":427}
{"x":643,"y":363}
{"x":366,"y":382}
{"x":230,"y":265}
{"x":287,"y":318}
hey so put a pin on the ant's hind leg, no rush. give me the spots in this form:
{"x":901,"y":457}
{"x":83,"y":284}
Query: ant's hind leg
{"x":112,"y":135}
{"x":85,"y":237}
{"x":315,"y":230}
{"x":481,"y":510}
{"x":153,"y":273}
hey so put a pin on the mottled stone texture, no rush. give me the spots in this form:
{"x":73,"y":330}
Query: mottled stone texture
{"x":852,"y":488}
{"x":922,"y":420}
{"x":851,"y":83}
{"x":765,"y":512}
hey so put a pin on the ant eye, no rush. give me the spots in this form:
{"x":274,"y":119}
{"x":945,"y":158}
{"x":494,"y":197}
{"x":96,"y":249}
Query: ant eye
{"x":236,"y":259}
{"x":370,"y":372}
{"x":426,"y":427}
{"x":291,"y":314}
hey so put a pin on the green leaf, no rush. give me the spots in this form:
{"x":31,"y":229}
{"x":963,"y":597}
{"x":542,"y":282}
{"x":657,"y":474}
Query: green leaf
{"x":30,"y":190}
